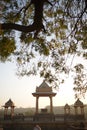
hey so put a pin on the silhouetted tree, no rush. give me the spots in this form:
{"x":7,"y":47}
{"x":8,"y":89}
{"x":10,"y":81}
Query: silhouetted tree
{"x":53,"y":30}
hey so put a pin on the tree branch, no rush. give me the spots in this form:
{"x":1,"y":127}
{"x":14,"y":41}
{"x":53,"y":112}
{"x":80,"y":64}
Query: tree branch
{"x":37,"y":25}
{"x":10,"y":26}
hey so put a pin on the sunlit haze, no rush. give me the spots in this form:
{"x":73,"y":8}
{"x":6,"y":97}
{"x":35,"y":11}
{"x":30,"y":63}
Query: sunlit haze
{"x":20,"y":90}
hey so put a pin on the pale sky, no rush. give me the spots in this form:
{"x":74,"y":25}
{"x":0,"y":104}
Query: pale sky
{"x":20,"y":89}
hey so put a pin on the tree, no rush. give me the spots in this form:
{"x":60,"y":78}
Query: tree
{"x":43,"y":35}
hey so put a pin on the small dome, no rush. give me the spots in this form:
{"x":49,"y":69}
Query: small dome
{"x":9,"y":103}
{"x":66,"y":106}
{"x":78,"y":103}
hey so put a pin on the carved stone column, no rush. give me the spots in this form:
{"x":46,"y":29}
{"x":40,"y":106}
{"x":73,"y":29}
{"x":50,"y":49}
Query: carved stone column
{"x":76,"y":111}
{"x":37,"y":104}
{"x":51,"y":105}
{"x":82,"y":110}
{"x":64,"y":111}
{"x":6,"y":111}
{"x":12,"y":111}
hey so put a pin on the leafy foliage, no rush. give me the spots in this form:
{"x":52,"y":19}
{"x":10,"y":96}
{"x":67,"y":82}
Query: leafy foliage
{"x":52,"y":33}
{"x":7,"y":47}
{"x":80,"y":81}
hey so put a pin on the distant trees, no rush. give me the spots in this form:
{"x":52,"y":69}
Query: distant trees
{"x":43,"y":35}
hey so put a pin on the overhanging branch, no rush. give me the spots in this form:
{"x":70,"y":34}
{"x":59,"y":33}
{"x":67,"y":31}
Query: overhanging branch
{"x":37,"y":25}
{"x":13,"y":26}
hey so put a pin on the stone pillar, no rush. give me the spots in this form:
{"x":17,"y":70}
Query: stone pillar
{"x":69,"y":111}
{"x":6,"y":111}
{"x":37,"y":104}
{"x":82,"y":110}
{"x":12,"y":111}
{"x":64,"y":111}
{"x":51,"y":105}
{"x":76,"y":111}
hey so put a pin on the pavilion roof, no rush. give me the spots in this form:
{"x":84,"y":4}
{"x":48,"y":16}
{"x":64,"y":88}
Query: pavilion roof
{"x":44,"y":85}
{"x":9,"y":103}
{"x":44,"y":90}
{"x":66,"y":106}
{"x":78,"y":103}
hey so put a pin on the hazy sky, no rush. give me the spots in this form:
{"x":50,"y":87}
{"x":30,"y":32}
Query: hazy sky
{"x":20,"y":89}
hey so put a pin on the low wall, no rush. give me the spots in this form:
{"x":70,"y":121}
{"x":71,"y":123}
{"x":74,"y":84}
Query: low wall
{"x":30,"y":126}
{"x":44,"y":126}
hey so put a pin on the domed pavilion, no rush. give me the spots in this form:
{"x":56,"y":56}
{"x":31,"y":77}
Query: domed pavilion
{"x":79,"y":105}
{"x":67,"y":109}
{"x":44,"y":91}
{"x":9,"y":104}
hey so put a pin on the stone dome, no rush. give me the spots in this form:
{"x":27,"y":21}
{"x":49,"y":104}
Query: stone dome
{"x":78,"y":103}
{"x":9,"y":103}
{"x":66,"y":106}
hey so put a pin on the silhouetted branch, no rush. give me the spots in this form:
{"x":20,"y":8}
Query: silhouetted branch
{"x":37,"y":25}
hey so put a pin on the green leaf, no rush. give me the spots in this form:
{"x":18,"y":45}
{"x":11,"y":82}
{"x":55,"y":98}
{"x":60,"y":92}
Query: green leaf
{"x":7,"y":47}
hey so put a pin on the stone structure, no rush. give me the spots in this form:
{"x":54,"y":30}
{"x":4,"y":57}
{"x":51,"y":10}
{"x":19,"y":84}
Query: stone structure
{"x":49,"y":121}
{"x":78,"y":104}
{"x":66,"y":109}
{"x":9,"y":104}
{"x":44,"y":91}
{"x":79,"y":110}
